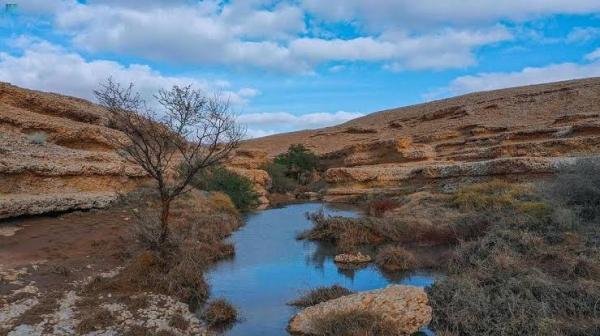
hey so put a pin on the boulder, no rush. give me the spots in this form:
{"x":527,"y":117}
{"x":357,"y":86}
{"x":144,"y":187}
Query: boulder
{"x":405,"y":306}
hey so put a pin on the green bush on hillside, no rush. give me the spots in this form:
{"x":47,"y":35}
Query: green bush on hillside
{"x":291,"y":169}
{"x":297,"y":161}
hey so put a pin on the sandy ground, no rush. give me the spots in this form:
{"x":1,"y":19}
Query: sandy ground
{"x":45,"y":262}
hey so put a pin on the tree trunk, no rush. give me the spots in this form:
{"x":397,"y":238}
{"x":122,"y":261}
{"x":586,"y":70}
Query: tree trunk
{"x":164,"y":220}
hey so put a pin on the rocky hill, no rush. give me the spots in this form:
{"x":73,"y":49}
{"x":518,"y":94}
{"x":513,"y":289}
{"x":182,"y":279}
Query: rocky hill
{"x":55,"y":156}
{"x":512,"y":133}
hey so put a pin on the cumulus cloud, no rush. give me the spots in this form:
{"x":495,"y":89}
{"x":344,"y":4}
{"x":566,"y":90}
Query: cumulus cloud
{"x":424,"y":14}
{"x":45,"y":66}
{"x":593,"y":56}
{"x":583,"y":34}
{"x":263,"y":124}
{"x":309,"y":120}
{"x":261,"y":34}
{"x":527,"y":76}
{"x":198,"y":34}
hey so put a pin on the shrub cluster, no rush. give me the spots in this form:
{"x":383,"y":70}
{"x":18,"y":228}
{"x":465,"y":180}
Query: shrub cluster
{"x":535,"y":267}
{"x":378,"y":207}
{"x":292,"y":169}
{"x":395,"y":259}
{"x":197,"y":230}
{"x":350,"y":233}
{"x":239,"y":188}
{"x":219,"y":313}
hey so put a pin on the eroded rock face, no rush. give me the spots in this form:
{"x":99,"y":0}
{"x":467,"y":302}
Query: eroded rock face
{"x":517,"y":133}
{"x":406,"y":306}
{"x":56,"y":154}
{"x":377,"y":152}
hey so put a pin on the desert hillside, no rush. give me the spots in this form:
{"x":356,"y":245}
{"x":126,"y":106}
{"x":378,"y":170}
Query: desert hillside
{"x":55,"y":155}
{"x":510,"y":132}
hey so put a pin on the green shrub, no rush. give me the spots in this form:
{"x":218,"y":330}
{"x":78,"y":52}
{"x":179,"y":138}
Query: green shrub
{"x":297,"y":160}
{"x":237,"y":187}
{"x":280,"y":182}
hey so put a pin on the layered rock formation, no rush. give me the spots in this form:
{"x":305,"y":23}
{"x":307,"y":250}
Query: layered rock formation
{"x":516,"y":133}
{"x":404,"y":306}
{"x":54,"y":154}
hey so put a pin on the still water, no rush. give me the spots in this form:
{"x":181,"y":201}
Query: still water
{"x":271,"y":268}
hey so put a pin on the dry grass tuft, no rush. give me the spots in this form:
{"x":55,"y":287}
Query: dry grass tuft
{"x":219,"y":313}
{"x":198,"y":225}
{"x":98,"y":320}
{"x":319,"y":295}
{"x":179,"y":322}
{"x":379,"y":207}
{"x":395,"y":259}
{"x":354,"y":323}
{"x":533,"y":269}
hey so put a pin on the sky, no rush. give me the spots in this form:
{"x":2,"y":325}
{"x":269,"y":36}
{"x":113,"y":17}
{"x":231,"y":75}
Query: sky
{"x":287,"y":65}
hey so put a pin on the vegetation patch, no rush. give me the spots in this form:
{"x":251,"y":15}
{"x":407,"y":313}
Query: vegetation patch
{"x":239,"y":188}
{"x":175,"y":268}
{"x":294,"y":170}
{"x":534,"y":268}
{"x":354,"y":323}
{"x":379,"y":207}
{"x":395,"y":259}
{"x":99,"y":319}
{"x":219,"y":313}
{"x":319,"y":295}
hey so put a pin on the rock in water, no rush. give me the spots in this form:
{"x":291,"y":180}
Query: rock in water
{"x":349,"y":258}
{"x":405,"y":306}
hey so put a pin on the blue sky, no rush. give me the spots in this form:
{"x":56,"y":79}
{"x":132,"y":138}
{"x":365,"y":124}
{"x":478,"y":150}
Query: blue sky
{"x":294,"y":64}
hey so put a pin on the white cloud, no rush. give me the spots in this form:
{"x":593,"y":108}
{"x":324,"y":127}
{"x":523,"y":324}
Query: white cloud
{"x":44,"y":66}
{"x":583,"y":34}
{"x":593,"y":56}
{"x":427,"y":13}
{"x":198,"y":34}
{"x":527,"y":76}
{"x":248,"y":33}
{"x":262,"y":124}
{"x":447,"y":49}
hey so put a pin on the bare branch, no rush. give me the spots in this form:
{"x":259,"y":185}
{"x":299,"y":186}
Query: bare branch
{"x":194,"y":132}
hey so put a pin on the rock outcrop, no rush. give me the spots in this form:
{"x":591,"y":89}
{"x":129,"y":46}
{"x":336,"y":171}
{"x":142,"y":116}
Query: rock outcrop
{"x":405,"y":306}
{"x":55,"y":154}
{"x":517,"y":133}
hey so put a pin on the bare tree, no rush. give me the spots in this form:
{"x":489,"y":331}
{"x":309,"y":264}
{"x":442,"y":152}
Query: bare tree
{"x":193,"y":132}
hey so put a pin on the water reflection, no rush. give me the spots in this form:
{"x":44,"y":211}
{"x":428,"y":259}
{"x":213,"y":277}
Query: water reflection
{"x":271,"y":268}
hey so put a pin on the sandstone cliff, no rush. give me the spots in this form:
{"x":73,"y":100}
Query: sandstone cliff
{"x":54,"y":155}
{"x":512,"y":133}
